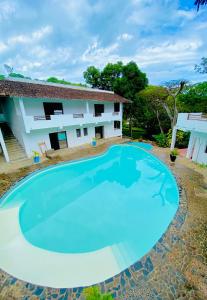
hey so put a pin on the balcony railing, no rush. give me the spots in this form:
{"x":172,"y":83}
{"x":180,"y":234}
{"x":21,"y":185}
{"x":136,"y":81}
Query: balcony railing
{"x":197,"y":117}
{"x":77,"y":116}
{"x":63,"y":120}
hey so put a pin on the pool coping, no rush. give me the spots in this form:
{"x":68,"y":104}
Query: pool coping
{"x":140,"y":270}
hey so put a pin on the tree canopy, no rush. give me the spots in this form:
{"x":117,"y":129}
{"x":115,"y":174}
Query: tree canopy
{"x":194,"y":99}
{"x":125,"y":80}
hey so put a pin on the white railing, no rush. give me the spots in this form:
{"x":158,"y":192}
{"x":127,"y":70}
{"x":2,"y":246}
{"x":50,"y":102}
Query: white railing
{"x":192,"y":122}
{"x":198,"y":117}
{"x":63,"y":120}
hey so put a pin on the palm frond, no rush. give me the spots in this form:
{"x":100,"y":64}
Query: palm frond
{"x":200,"y":2}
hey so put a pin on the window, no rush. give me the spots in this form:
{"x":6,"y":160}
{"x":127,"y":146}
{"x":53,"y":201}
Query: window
{"x":116,"y":107}
{"x":85,"y":131}
{"x":117,"y":124}
{"x":98,"y":109}
{"x":78,"y":132}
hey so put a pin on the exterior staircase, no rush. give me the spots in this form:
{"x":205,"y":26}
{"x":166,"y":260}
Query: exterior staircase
{"x":15,"y":150}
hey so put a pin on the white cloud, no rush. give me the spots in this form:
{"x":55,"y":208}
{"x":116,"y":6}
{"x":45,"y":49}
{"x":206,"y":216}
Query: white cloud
{"x":188,"y":14}
{"x":30,"y":38}
{"x":125,"y":37}
{"x":99,"y":55}
{"x":3,"y":47}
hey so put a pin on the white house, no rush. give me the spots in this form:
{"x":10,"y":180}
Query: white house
{"x":196,"y":123}
{"x":38,"y":116}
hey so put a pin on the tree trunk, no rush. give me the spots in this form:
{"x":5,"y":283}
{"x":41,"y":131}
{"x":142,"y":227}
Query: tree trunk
{"x":158,"y":119}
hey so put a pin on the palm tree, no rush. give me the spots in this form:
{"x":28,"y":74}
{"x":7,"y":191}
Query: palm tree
{"x":200,"y":2}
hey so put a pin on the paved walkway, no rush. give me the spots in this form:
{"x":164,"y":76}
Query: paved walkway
{"x":176,"y":268}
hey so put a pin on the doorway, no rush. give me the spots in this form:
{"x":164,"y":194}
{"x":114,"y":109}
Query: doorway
{"x":52,"y":108}
{"x":99,"y":132}
{"x":58,"y":140}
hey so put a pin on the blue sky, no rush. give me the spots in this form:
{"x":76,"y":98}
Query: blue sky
{"x":62,"y":38}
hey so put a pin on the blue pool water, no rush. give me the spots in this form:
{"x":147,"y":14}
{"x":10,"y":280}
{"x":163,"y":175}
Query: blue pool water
{"x":142,"y":145}
{"x":124,"y":199}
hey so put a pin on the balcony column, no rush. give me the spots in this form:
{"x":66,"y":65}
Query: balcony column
{"x":23,"y":113}
{"x":173,"y":141}
{"x":87,"y":107}
{"x":190,"y":146}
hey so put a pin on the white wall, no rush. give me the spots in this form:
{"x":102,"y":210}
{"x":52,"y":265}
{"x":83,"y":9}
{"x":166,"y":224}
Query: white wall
{"x":197,"y":146}
{"x":33,"y":139}
{"x":34,"y":107}
{"x":186,"y":124}
{"x":109,"y":130}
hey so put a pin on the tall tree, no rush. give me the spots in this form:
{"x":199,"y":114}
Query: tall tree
{"x":125,"y":80}
{"x":174,"y":88}
{"x":155,"y":97}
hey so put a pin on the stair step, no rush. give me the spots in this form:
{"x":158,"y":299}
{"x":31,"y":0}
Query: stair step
{"x":15,"y":150}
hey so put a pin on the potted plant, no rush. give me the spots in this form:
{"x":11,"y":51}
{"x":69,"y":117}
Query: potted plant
{"x":93,"y":142}
{"x":36,"y":157}
{"x":173,"y":155}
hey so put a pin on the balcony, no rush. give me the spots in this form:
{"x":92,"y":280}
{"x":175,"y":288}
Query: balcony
{"x":192,"y":122}
{"x":64,"y":120}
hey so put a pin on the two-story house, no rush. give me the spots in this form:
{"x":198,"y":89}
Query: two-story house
{"x":38,"y":116}
{"x":196,"y":124}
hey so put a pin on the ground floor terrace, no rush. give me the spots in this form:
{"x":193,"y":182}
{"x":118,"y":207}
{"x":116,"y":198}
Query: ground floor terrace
{"x":176,"y":267}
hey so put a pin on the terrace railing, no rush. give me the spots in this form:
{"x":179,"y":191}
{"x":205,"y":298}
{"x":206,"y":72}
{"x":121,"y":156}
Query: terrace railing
{"x":197,"y":117}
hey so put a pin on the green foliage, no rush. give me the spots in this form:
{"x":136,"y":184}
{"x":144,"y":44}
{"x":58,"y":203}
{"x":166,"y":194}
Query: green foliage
{"x":194,"y":99}
{"x":174,"y":152}
{"x":2,"y":77}
{"x":136,"y":132}
{"x":62,"y":81}
{"x":92,"y":77}
{"x":18,"y":75}
{"x":125,"y":80}
{"x":93,"y":293}
{"x":161,"y":140}
{"x":182,"y":138}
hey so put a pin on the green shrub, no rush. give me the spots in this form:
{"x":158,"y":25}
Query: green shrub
{"x":174,"y":152}
{"x":93,"y":293}
{"x":161,"y":140}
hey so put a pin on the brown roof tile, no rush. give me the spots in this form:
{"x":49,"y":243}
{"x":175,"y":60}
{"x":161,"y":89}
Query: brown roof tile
{"x":18,"y":88}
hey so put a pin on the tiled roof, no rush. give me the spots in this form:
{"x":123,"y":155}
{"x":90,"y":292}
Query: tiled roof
{"x":38,"y":89}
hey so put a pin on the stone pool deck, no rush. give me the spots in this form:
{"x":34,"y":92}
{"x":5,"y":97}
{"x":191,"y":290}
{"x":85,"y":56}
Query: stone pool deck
{"x":176,"y":267}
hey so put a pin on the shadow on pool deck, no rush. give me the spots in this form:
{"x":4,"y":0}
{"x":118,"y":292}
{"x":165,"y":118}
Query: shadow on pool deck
{"x":177,"y":269}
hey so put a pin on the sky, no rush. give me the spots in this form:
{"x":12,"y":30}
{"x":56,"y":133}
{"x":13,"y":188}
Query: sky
{"x":43,"y":38}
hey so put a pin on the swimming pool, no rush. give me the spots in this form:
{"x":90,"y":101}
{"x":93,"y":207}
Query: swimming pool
{"x":79,"y":223}
{"x":142,"y":145}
